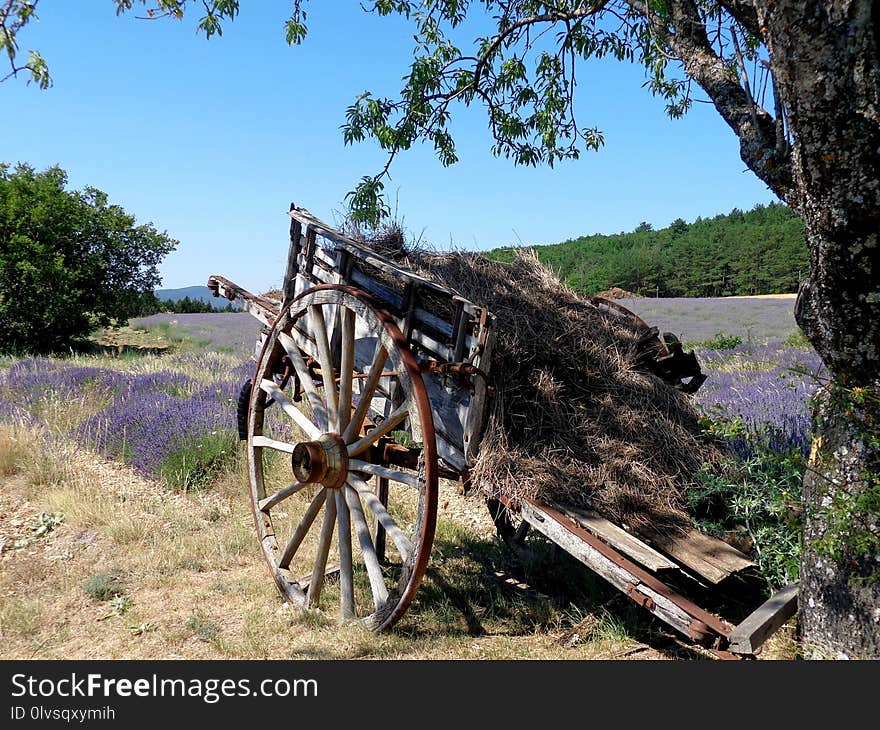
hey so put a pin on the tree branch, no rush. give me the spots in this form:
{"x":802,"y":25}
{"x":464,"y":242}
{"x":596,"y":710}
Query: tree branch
{"x":554,"y":17}
{"x":744,"y":13}
{"x":754,"y":126}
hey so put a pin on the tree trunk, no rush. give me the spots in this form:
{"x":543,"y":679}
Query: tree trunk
{"x":840,"y":565}
{"x":826,"y":65}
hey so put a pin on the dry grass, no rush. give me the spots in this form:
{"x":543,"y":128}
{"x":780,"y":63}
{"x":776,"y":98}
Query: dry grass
{"x":194,"y":585}
{"x":13,"y":450}
{"x":575,"y":419}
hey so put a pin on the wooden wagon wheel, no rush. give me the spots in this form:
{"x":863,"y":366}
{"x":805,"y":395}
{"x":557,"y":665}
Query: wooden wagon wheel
{"x":318,"y":429}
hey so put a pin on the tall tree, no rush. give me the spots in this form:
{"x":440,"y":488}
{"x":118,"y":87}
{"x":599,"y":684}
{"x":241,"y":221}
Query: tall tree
{"x":797,"y":81}
{"x":69,"y":260}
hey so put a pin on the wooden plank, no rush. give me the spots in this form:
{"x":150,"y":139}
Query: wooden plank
{"x":620,"y":539}
{"x":707,"y":556}
{"x":606,"y":568}
{"x":474,"y":419}
{"x":443,"y":352}
{"x":438,"y":324}
{"x":388,"y":297}
{"x":292,"y":257}
{"x":360,"y":250}
{"x":747,"y":637}
{"x":265,"y":310}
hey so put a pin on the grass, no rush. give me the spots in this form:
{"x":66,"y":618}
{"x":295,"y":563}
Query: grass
{"x":195,"y":586}
{"x":168,"y":334}
{"x":20,"y":619}
{"x":197,"y":462}
{"x":203,"y":629}
{"x":104,"y":586}
{"x":14,"y":450}
{"x":137,"y":570}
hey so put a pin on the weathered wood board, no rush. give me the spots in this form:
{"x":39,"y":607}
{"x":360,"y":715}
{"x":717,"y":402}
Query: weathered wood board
{"x":620,"y":539}
{"x":709,"y":557}
{"x":748,"y":636}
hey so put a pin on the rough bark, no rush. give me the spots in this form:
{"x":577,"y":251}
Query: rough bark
{"x":827,"y":67}
{"x":826,"y":64}
{"x":840,"y":593}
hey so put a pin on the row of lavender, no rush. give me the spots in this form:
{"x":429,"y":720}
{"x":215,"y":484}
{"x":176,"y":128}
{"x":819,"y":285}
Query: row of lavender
{"x":763,"y":390}
{"x":757,"y":398}
{"x":143,"y":418}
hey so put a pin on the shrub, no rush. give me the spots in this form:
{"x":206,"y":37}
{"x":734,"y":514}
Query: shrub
{"x":88,"y":253}
{"x":199,"y":460}
{"x":722,"y":341}
{"x":758,"y":496}
{"x":104,"y":586}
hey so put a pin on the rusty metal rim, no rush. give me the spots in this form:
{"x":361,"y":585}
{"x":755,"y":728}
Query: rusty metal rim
{"x":620,"y":308}
{"x":428,"y":508}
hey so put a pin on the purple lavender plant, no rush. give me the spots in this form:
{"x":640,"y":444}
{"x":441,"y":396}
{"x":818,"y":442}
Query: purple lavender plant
{"x":147,"y":422}
{"x":767,"y":389}
{"x":147,"y":418}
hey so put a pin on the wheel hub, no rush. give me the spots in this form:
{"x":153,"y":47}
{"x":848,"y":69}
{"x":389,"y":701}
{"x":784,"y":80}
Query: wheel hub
{"x":324,"y":461}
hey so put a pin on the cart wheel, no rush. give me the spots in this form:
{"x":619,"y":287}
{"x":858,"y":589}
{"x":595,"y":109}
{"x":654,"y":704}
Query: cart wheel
{"x":332,"y":418}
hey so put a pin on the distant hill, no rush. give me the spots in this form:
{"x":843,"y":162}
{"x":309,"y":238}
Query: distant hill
{"x":761,"y":251}
{"x":200,"y":293}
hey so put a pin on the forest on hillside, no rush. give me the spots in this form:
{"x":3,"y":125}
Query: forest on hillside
{"x":761,"y":251}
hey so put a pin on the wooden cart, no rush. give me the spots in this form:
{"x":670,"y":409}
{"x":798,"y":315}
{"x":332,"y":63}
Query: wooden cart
{"x":370,"y":386}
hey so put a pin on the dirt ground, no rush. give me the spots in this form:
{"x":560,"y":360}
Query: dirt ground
{"x":120,"y":567}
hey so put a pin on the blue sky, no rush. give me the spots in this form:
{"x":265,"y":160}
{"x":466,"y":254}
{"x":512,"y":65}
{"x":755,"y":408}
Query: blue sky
{"x":212,"y":140}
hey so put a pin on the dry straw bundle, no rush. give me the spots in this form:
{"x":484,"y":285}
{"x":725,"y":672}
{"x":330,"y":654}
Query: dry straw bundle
{"x":572,"y":420}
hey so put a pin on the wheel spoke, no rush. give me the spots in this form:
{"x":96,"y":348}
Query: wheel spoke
{"x":268,"y":443}
{"x":379,"y":531}
{"x":398,"y":537}
{"x":319,"y":410}
{"x":316,"y":583}
{"x":311,"y":430}
{"x":368,"y":550}
{"x":389,"y":424}
{"x":346,"y":573}
{"x":380,"y":471}
{"x":355,"y":382}
{"x":346,"y":368}
{"x":375,"y":374}
{"x":302,"y":529}
{"x":319,"y":329}
{"x":282,"y":493}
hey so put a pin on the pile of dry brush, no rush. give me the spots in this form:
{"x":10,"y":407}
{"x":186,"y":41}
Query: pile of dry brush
{"x":572,"y":420}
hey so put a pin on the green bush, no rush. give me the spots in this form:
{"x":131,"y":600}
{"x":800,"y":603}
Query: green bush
{"x":198,"y":461}
{"x":758,"y":498}
{"x":104,"y":586}
{"x":722,"y":341}
{"x":70,"y":262}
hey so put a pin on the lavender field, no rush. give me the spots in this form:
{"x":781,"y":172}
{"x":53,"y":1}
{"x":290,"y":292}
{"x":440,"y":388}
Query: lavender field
{"x":143,"y":412}
{"x":766,"y":387}
{"x":765,"y":381}
{"x":232,"y":332}
{"x":757,"y":320}
{"x":165,"y":519}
